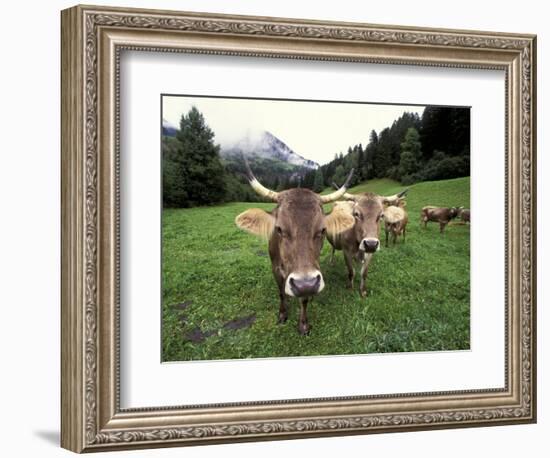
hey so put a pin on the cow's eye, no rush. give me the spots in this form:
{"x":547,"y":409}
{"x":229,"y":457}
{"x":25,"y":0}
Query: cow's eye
{"x":279,"y":230}
{"x":320,"y":233}
{"x":381,"y":216}
{"x":357,"y":215}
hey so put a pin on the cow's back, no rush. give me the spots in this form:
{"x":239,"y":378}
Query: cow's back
{"x":343,"y":238}
{"x":431,"y":213}
{"x":394,"y":215}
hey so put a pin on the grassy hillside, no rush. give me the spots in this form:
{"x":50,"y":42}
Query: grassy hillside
{"x":220,"y":300}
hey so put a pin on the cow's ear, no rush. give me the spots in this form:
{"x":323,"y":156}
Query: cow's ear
{"x":338,"y":221}
{"x":257,"y":222}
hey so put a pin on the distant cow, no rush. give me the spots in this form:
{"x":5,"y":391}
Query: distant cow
{"x":360,"y":241}
{"x":441,"y":215}
{"x":395,"y":221}
{"x":296,"y":230}
{"x":464,"y":214}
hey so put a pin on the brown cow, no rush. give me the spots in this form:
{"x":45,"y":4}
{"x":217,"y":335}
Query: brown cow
{"x":361,"y":241}
{"x":395,"y":221}
{"x":441,"y":215}
{"x":464,"y":214}
{"x":296,"y":230}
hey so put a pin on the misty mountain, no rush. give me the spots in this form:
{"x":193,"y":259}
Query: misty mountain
{"x":268,"y":146}
{"x":168,"y":128}
{"x":272,"y":161}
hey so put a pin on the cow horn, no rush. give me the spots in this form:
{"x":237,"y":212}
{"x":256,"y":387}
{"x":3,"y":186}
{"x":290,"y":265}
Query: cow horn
{"x":257,"y":186}
{"x":346,"y":195}
{"x":403,"y":193}
{"x":396,"y":196}
{"x":339,"y":193}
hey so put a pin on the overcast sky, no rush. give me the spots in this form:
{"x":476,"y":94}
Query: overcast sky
{"x":314,"y":130}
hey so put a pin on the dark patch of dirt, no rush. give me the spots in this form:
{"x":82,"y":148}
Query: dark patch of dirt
{"x":261,"y":253}
{"x":183,"y":305}
{"x":181,"y":308}
{"x":240,"y":323}
{"x":196,"y":335}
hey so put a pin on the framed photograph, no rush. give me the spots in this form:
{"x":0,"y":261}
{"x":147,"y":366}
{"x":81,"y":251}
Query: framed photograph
{"x":267,"y":228}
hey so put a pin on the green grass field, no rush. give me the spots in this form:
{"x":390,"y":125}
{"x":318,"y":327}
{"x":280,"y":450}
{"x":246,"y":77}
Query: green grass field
{"x":220,"y":300}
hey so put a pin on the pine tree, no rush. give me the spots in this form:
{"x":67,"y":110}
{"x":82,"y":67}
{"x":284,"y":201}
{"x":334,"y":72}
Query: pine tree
{"x":412,"y":143}
{"x":398,"y":131}
{"x":382,"y":154}
{"x":319,"y":182}
{"x":445,"y":129}
{"x":285,"y":183}
{"x":173,"y":189}
{"x":411,"y":153}
{"x":197,"y":163}
{"x":371,"y":152}
{"x":408,"y":164}
{"x":339,"y":175}
{"x":361,"y":164}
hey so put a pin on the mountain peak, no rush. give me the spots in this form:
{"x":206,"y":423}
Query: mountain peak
{"x":267,"y":145}
{"x":168,"y":128}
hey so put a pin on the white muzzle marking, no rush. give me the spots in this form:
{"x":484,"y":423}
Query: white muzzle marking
{"x":310,"y":274}
{"x":368,"y":240}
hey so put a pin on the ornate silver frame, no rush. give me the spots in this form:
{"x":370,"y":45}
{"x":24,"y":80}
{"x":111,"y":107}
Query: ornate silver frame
{"x":92,"y":38}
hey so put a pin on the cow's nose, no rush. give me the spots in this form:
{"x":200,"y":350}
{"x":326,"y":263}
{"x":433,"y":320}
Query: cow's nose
{"x":370,"y":245}
{"x":305,"y":285}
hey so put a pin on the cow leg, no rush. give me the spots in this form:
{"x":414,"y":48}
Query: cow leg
{"x":303,"y":325}
{"x":332,"y":255}
{"x":394,"y":234}
{"x":364,"y":272}
{"x":442,"y":225}
{"x":349,"y":264}
{"x":386,"y":230}
{"x":283,"y":308}
{"x":283,"y":305}
{"x":404,"y":232}
{"x":425,"y":219}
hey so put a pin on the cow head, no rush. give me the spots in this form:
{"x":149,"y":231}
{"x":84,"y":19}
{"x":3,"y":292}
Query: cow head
{"x":368,"y":211}
{"x":454,"y":212}
{"x":296,"y":229}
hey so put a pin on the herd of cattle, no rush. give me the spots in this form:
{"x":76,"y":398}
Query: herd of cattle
{"x":297,"y":226}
